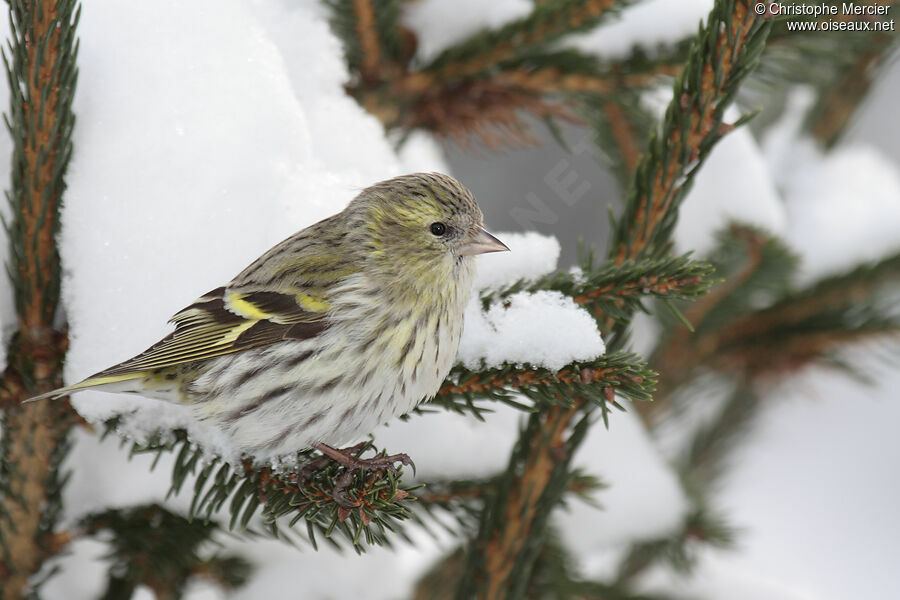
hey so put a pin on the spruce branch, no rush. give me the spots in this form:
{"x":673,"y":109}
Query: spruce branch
{"x":465,"y":498}
{"x":752,"y":264}
{"x":373,"y":39}
{"x":283,"y":497}
{"x":595,"y":382}
{"x":550,"y":84}
{"x":750,"y":345}
{"x":552,"y":80}
{"x":615,"y":291}
{"x":860,"y":286}
{"x":795,"y":329}
{"x":41,"y":72}
{"x":573,"y":72}
{"x":555,"y":575}
{"x":479,"y":87}
{"x":486,"y":109}
{"x":812,"y":325}
{"x":749,"y":264}
{"x":157,"y":548}
{"x":693,"y":123}
{"x":488,"y":48}
{"x":727,"y":49}
{"x":500,"y":559}
{"x":444,"y":494}
{"x":702,"y":527}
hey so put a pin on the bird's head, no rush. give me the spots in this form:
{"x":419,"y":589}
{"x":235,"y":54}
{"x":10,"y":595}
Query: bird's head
{"x":424,"y":223}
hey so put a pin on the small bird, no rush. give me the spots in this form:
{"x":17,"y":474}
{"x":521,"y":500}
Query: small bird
{"x":340,"y":327}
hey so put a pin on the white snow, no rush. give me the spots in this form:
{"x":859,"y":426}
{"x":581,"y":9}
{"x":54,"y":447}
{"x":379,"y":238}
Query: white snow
{"x":531,"y":256}
{"x":439,"y":24}
{"x":843,"y":206}
{"x":644,"y":498}
{"x":543,"y":328}
{"x":733,"y":185}
{"x":814,"y":488}
{"x":421,"y":153}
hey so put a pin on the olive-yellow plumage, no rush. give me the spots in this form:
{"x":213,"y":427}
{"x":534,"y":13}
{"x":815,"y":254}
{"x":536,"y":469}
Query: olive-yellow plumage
{"x":338,"y":328}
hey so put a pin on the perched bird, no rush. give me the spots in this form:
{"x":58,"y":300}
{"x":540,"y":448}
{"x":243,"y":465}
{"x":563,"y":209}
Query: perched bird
{"x":335,"y":330}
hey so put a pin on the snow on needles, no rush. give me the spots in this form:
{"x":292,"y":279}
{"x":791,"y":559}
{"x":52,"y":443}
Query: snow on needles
{"x":843,"y":207}
{"x":543,"y":328}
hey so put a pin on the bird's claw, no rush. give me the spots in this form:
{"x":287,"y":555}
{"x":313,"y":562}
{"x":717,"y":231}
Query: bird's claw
{"x":355,"y":464}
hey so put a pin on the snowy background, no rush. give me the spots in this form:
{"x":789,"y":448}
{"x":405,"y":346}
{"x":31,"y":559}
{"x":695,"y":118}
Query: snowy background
{"x":208,"y":131}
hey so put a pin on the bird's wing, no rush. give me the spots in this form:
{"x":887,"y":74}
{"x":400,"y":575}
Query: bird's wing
{"x":226,"y":321}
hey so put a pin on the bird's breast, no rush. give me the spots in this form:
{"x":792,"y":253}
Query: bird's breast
{"x":405,"y":339}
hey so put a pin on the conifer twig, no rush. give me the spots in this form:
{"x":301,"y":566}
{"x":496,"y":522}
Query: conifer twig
{"x":374,"y":501}
{"x":490,"y":48}
{"x":553,"y":80}
{"x":799,"y":328}
{"x":726,"y":51}
{"x":368,"y":38}
{"x":40,"y":64}
{"x":613,"y":292}
{"x":623,"y":136}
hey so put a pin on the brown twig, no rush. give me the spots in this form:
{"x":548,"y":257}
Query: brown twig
{"x":502,"y":550}
{"x":368,"y":39}
{"x":622,"y":135}
{"x":658,"y":286}
{"x":34,"y":431}
{"x":550,"y":80}
{"x":655,"y":205}
{"x":530,"y":378}
{"x":760,"y":358}
{"x":578,"y":485}
{"x":484,"y":109}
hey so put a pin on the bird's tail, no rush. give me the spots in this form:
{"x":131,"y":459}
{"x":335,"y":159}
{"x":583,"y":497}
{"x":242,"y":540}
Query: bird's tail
{"x":111,"y":383}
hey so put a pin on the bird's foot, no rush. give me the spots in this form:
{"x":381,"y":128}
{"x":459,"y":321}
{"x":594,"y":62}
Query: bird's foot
{"x":355,"y":464}
{"x":323,"y":461}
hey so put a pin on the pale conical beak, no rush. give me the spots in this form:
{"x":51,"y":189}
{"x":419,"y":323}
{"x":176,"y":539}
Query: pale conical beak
{"x":481,"y":243}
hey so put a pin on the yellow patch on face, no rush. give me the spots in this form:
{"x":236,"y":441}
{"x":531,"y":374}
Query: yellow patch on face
{"x":404,"y":213}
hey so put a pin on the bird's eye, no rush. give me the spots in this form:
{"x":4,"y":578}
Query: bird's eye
{"x":438,"y":229}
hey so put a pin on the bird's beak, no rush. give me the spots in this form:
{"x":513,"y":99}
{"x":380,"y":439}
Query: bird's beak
{"x":480,"y":243}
